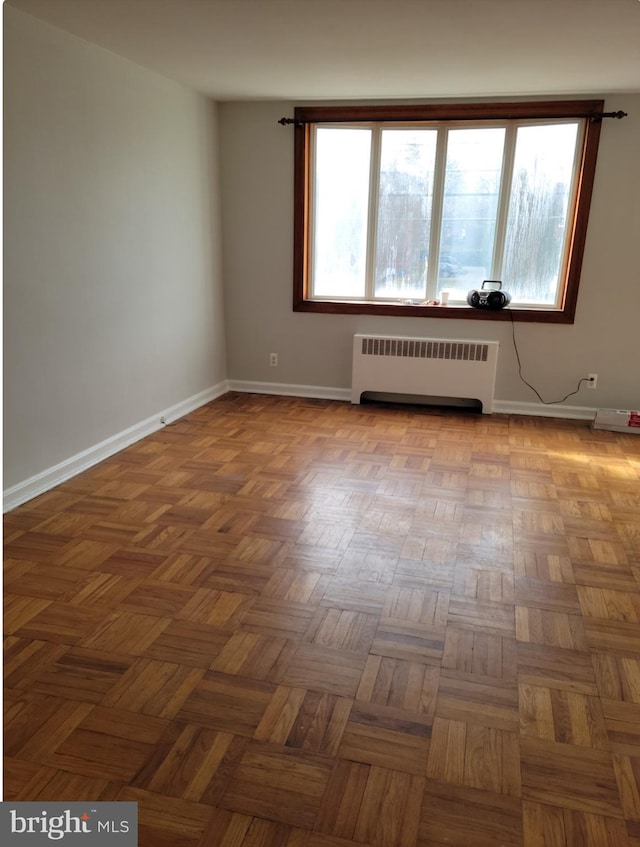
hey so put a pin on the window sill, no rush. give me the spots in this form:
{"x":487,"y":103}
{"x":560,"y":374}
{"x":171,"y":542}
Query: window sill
{"x":410,"y":310}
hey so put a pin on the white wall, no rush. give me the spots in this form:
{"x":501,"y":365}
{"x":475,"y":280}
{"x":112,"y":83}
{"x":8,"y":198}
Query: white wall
{"x":113,"y":305}
{"x":315,"y":349}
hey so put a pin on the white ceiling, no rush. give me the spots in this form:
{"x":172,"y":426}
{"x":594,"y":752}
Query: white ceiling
{"x":313,"y":49}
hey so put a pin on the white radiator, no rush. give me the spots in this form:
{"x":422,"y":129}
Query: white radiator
{"x":434,"y":367}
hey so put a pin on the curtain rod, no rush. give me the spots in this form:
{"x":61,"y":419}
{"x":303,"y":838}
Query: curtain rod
{"x":594,"y":116}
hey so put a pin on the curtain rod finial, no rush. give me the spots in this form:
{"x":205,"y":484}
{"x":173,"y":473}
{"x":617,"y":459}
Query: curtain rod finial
{"x":289,"y":121}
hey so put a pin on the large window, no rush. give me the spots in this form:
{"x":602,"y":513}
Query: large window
{"x":395,"y":205}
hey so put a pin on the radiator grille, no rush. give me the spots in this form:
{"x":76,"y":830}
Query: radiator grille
{"x":412,"y":348}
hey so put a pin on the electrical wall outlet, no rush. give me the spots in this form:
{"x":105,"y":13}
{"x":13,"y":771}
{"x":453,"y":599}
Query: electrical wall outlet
{"x":593,"y":381}
{"x":273,"y":360}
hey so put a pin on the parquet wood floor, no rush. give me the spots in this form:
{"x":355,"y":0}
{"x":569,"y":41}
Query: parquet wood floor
{"x":295,"y":623}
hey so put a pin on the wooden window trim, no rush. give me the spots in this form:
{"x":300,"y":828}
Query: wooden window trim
{"x":305,"y":117}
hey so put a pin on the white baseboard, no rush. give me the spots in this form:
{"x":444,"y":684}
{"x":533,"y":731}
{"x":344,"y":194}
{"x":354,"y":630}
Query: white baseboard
{"x":316,"y":392}
{"x":511,"y":407}
{"x":20,"y":493}
{"x":505,"y":407}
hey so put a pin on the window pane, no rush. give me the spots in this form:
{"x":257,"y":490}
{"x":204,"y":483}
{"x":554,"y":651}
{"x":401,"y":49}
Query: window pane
{"x":471,"y":193}
{"x":404,"y":212}
{"x":341,"y":212}
{"x":540,"y":194}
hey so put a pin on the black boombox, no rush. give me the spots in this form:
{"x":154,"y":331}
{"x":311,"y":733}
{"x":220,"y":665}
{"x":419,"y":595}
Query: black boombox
{"x":490,"y":296}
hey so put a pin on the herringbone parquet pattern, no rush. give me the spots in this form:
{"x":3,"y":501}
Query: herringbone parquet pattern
{"x":296,"y":623}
